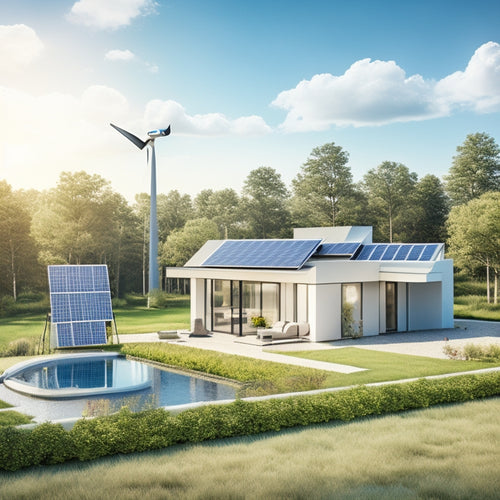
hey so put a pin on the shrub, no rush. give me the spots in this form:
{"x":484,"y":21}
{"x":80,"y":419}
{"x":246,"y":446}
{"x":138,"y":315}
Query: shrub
{"x":473,"y":352}
{"x":259,"y":321}
{"x":127,"y":432}
{"x":158,"y":299}
{"x":20,"y":347}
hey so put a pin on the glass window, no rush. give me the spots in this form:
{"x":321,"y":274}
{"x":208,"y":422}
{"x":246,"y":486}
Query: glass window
{"x":352,"y":324}
{"x":222,"y":317}
{"x":250,"y":304}
{"x":271,"y":302}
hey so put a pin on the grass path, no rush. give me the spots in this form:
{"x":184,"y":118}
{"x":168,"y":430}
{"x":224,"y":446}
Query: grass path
{"x":443,"y":452}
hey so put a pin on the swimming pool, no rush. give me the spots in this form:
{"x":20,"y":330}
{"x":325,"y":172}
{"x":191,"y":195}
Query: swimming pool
{"x":89,"y":384}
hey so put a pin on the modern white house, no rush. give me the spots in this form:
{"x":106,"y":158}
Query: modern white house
{"x":333,"y":278}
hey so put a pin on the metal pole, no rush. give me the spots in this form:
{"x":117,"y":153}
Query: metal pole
{"x":154,"y":275}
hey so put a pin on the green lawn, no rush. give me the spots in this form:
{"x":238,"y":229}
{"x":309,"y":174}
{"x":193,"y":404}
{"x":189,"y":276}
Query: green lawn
{"x":446,"y":452}
{"x":10,"y":417}
{"x":144,"y":320}
{"x":24,"y":326}
{"x":383,"y":366}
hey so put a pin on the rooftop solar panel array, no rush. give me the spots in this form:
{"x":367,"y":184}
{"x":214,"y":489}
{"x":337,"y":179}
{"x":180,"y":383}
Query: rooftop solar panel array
{"x":80,"y":302}
{"x":399,"y":252}
{"x":270,"y":254}
{"x":337,"y":249}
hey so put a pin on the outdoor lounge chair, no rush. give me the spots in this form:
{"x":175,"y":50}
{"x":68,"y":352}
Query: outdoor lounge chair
{"x":283,"y":330}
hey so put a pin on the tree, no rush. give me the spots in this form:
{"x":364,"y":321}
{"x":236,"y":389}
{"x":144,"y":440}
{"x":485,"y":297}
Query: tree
{"x":475,"y":169}
{"x":426,"y":217}
{"x":223,"y":207}
{"x":82,"y":221}
{"x":174,"y":210}
{"x":183,"y":243}
{"x":264,"y":203}
{"x":389,"y":188}
{"x":324,"y":187}
{"x":18,"y":264}
{"x":474,"y":230}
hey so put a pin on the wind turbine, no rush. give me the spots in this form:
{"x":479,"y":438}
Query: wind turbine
{"x":154,"y":276}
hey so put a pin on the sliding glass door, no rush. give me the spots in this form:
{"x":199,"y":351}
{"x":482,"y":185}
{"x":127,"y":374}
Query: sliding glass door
{"x":235,"y":303}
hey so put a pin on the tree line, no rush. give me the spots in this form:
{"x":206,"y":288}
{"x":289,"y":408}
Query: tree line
{"x":82,"y":220}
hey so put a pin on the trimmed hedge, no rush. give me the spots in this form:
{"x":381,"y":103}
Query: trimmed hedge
{"x":257,"y":376}
{"x":127,"y":432}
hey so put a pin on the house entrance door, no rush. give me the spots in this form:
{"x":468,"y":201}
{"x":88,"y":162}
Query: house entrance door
{"x":391,"y":306}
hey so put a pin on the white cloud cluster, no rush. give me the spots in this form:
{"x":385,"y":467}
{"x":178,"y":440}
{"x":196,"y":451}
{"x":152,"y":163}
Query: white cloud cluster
{"x":160,"y":113}
{"x":379,"y":92}
{"x":109,"y":14}
{"x":119,"y":55}
{"x":19,"y":46}
{"x":478,"y":87}
{"x":128,"y":56}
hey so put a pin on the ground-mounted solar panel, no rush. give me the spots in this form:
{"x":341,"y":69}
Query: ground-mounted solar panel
{"x":268,"y":254}
{"x":399,"y":252}
{"x":337,"y":249}
{"x":80,"y":302}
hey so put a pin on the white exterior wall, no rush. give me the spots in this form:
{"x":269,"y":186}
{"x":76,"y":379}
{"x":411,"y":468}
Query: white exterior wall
{"x":424,"y":311}
{"x":325,"y":312}
{"x":197,"y":300}
{"x":402,"y":307}
{"x":371,"y":298}
{"x":287,"y":302}
{"x":302,"y":313}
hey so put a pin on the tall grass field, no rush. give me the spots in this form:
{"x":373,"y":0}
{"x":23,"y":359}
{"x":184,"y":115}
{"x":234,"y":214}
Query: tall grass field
{"x":440,"y":453}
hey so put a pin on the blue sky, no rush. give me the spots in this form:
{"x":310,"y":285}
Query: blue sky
{"x":243,"y":84}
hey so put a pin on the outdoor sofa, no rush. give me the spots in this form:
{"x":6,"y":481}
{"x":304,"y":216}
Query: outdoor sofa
{"x":284,"y":330}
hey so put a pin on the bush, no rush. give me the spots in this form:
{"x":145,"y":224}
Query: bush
{"x":259,"y":321}
{"x":473,"y":352}
{"x":126,"y":432}
{"x":20,"y":347}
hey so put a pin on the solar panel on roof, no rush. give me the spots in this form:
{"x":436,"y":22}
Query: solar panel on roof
{"x":398,"y":252}
{"x":390,"y":252}
{"x":402,"y":253}
{"x":274,"y":254}
{"x":366,"y":252}
{"x":80,"y":301}
{"x":415,"y":252}
{"x":428,"y":252}
{"x":378,"y":252}
{"x":338,"y":249}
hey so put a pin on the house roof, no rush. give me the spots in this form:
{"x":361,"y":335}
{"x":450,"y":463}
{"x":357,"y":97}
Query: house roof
{"x":293,"y":254}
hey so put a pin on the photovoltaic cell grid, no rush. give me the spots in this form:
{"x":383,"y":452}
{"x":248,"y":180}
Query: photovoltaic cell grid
{"x":271,"y":254}
{"x":397,"y":252}
{"x":80,"y":302}
{"x":337,"y":249}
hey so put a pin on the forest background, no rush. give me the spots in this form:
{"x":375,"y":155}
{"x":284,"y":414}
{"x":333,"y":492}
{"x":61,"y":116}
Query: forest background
{"x":82,"y":220}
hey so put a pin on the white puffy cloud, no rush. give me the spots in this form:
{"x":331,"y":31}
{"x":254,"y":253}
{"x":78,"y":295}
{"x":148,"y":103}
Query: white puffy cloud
{"x":19,"y":46}
{"x":109,"y":14}
{"x":119,"y":55}
{"x":161,"y":113}
{"x":478,"y":87}
{"x":379,"y":92}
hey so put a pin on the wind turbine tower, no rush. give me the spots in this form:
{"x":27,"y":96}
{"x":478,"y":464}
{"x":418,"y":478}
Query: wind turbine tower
{"x":153,"y":275}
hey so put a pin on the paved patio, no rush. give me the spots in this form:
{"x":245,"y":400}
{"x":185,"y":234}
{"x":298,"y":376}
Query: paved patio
{"x":424,"y":343}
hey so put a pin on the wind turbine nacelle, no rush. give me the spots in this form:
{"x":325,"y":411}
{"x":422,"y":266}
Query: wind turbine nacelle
{"x":162,"y":132}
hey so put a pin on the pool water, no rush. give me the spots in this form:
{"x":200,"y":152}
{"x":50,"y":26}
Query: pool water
{"x":72,"y":386}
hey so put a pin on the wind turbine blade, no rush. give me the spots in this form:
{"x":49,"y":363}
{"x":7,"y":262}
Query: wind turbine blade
{"x":166,"y":131}
{"x":131,"y":137}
